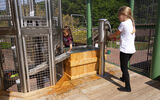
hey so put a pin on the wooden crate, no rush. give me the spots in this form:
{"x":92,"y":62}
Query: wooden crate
{"x":81,"y":64}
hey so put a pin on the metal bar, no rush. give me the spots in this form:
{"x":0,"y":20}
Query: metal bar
{"x":26,"y":64}
{"x":5,"y":17}
{"x":60,"y":30}
{"x":46,"y":6}
{"x":145,"y":26}
{"x":155,"y":70}
{"x":89,"y":23}
{"x":61,"y":24}
{"x":20,"y":49}
{"x":61,"y":57}
{"x":30,"y":7}
{"x":9,"y":5}
{"x":20,"y":13}
{"x":35,"y":31}
{"x":52,"y":53}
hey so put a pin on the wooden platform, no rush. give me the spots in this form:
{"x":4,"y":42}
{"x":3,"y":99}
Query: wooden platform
{"x":82,"y":64}
{"x":95,"y":88}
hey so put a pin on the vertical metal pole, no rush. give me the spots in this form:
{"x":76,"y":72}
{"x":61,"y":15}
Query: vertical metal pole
{"x":1,"y":70}
{"x":20,"y":50}
{"x":61,"y":24}
{"x":89,"y":23}
{"x":155,"y":70}
{"x":52,"y":56}
{"x":61,"y":27}
{"x":26,"y":65}
{"x":21,"y":15}
{"x":132,"y":6}
{"x":46,"y":6}
{"x":132,"y":10}
{"x":102,"y":32}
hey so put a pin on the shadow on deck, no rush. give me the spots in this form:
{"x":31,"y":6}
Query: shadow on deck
{"x":96,"y":88}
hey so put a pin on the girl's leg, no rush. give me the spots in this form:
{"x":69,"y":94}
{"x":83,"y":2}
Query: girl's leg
{"x":121,"y":65}
{"x":126,"y":73}
{"x":124,"y":58}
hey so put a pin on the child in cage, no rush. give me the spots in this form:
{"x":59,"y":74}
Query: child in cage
{"x":126,"y":30}
{"x":67,"y":38}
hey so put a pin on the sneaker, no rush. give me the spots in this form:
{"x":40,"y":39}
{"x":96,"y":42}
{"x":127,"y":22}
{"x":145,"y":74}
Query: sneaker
{"x":124,"y":89}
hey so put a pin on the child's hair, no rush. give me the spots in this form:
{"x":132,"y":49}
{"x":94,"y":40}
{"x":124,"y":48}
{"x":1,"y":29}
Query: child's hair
{"x":124,"y":10}
{"x":68,"y":30}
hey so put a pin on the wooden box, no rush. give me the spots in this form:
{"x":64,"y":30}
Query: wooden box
{"x":82,"y":64}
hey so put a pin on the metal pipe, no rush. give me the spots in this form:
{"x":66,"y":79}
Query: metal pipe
{"x":52,"y":52}
{"x":20,"y":49}
{"x":104,"y":28}
{"x":132,"y":6}
{"x":155,"y":70}
{"x":102,"y":35}
{"x":61,"y":25}
{"x":89,"y":23}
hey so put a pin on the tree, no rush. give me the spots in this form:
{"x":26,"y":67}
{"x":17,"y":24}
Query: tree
{"x":100,"y":9}
{"x":107,"y":9}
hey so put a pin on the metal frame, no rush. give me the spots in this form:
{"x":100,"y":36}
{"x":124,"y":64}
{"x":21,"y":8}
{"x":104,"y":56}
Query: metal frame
{"x":35,"y":17}
{"x":20,"y":32}
{"x":52,"y":57}
{"x":155,"y":71}
{"x":20,"y":49}
{"x":26,"y":62}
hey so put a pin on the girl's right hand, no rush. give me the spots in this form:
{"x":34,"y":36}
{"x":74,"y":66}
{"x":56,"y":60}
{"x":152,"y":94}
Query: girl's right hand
{"x":111,"y":38}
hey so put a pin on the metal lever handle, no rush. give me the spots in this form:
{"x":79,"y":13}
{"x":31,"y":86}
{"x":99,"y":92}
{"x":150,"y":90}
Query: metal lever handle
{"x":109,"y":26}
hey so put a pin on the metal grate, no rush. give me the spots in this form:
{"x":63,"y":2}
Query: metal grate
{"x":145,"y":11}
{"x":141,"y":60}
{"x":5,"y":13}
{"x":9,"y":64}
{"x":59,"y":71}
{"x":37,"y":61}
{"x":57,"y":44}
{"x":145,"y":14}
{"x":56,"y":13}
{"x":4,"y":7}
{"x":34,"y":13}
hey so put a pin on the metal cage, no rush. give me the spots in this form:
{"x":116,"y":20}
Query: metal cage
{"x":30,"y":44}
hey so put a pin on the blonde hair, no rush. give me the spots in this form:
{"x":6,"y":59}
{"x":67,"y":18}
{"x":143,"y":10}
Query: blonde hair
{"x":124,"y":10}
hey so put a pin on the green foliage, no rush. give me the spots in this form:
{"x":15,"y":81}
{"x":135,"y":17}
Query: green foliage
{"x":74,"y":7}
{"x":68,"y":21}
{"x":107,"y":9}
{"x":79,"y":36}
{"x":5,"y":45}
{"x":100,"y":9}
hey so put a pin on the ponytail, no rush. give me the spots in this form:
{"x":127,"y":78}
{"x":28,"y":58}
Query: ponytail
{"x":134,"y":26}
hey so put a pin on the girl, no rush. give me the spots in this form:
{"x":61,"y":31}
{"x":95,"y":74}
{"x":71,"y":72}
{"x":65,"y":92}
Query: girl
{"x":126,"y":30}
{"x":67,"y":38}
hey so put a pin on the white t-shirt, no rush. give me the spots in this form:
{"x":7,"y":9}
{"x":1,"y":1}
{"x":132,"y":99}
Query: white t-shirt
{"x":127,"y":38}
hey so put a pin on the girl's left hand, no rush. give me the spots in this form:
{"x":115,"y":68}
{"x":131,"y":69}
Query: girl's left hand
{"x":69,"y":51}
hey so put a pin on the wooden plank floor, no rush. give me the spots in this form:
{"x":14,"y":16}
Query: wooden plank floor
{"x":97,"y":88}
{"x":143,"y":88}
